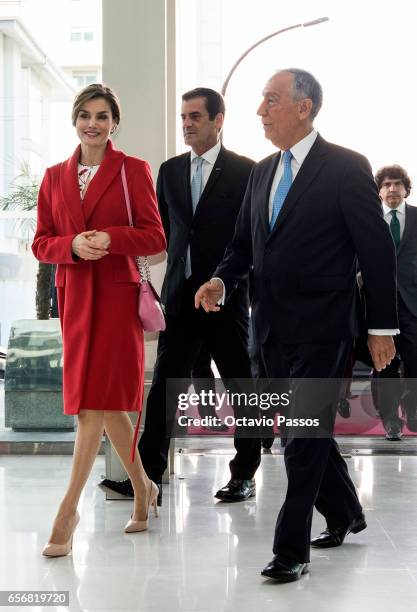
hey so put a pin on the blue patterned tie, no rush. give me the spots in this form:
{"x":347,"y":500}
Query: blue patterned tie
{"x":282,"y":189}
{"x":196,"y":183}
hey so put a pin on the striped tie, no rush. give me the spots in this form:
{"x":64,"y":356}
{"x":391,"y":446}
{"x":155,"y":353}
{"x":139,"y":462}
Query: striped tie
{"x":282,"y":189}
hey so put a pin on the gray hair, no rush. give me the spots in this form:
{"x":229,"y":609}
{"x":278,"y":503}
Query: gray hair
{"x":306,"y":86}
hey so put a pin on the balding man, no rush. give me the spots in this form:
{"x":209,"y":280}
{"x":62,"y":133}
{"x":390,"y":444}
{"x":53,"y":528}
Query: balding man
{"x":310,"y":212}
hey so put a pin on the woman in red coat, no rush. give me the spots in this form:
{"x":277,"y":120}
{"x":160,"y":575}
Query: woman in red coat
{"x":83,"y":227}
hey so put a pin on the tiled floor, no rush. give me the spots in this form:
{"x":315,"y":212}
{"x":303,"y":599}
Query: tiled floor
{"x":202,"y":555}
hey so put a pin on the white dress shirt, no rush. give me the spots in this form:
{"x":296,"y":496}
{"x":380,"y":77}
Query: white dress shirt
{"x":299,"y":153}
{"x":209,"y":158}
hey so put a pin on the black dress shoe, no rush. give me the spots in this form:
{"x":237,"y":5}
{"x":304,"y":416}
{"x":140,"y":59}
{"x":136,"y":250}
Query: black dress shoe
{"x":393,"y":436}
{"x":237,"y":490}
{"x":330,"y":538}
{"x":267,"y":443}
{"x":284,"y":571}
{"x":393,"y":428}
{"x":124,"y":487}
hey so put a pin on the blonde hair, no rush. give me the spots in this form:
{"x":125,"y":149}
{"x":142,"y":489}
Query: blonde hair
{"x":93,"y":91}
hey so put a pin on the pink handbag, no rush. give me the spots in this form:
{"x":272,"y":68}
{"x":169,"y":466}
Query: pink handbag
{"x":149,"y":304}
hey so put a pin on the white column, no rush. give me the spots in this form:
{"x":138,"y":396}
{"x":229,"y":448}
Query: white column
{"x":139,"y":63}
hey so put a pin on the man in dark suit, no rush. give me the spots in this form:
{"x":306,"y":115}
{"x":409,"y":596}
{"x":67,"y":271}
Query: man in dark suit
{"x":389,"y":391}
{"x":199,"y":195}
{"x":309,"y":213}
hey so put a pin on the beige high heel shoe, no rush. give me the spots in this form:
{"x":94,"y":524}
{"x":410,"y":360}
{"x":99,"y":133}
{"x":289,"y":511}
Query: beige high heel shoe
{"x":60,"y":550}
{"x":133,"y":526}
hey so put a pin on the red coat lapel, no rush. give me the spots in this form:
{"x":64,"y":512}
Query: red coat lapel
{"x":70,"y":190}
{"x":109,"y":168}
{"x":81,"y":210}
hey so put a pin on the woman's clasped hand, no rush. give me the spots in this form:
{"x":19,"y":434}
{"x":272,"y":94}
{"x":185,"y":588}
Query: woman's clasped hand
{"x":91,"y":245}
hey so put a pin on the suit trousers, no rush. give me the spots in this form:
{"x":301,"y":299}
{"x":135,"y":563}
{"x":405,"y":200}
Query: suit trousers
{"x":225,"y":336}
{"x":317,"y":474}
{"x":389,"y":389}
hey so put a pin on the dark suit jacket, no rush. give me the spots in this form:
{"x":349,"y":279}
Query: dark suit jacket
{"x":304,"y":270}
{"x":208,"y":231}
{"x":407,"y":261}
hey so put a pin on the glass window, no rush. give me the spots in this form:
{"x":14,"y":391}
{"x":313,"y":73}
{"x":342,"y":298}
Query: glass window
{"x":88,"y":36}
{"x":75,"y":36}
{"x":84,"y":78}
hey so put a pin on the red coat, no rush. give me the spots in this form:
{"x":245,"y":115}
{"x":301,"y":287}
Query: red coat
{"x":102,"y":336}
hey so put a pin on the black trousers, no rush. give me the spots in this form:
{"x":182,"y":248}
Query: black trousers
{"x":397,"y":383}
{"x":225,"y":337}
{"x":317,"y":474}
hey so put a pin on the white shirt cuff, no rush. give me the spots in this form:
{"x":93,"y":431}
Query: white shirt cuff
{"x":383,"y":332}
{"x":222,"y":299}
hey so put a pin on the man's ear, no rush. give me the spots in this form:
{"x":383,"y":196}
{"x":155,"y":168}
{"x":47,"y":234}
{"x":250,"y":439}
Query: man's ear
{"x":218,"y":120}
{"x":305,"y":106}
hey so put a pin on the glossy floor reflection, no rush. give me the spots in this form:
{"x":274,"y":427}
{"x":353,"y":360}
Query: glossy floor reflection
{"x":203,"y":555}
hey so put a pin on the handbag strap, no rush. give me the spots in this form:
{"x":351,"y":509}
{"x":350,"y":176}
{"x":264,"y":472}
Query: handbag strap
{"x":143,"y":266}
{"x":127,"y":197}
